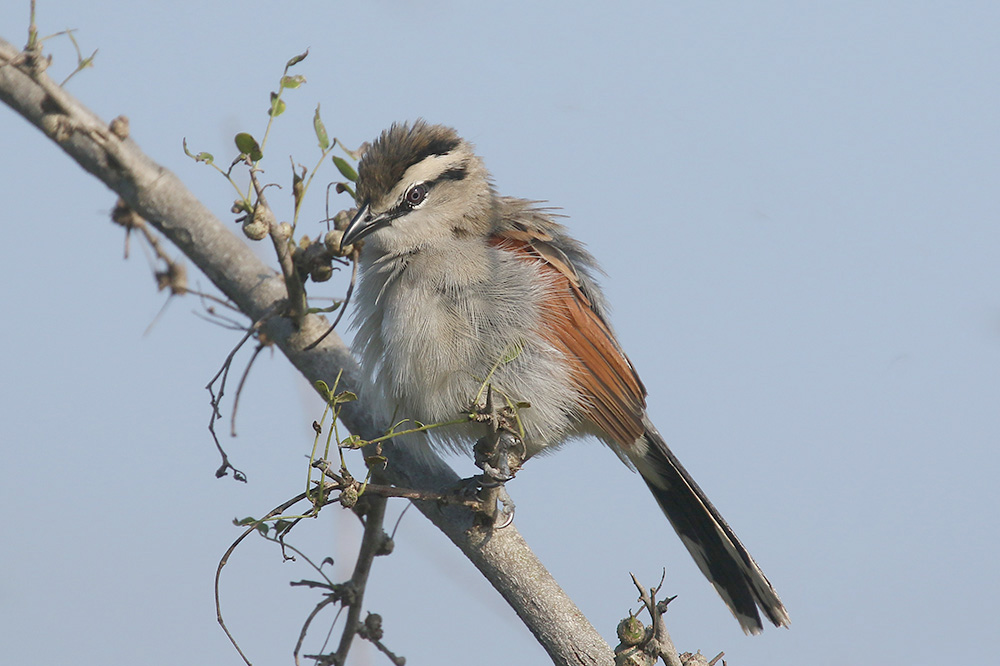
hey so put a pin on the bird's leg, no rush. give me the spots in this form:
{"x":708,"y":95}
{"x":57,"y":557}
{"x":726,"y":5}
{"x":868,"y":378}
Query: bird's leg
{"x":497,"y":454}
{"x":500,"y":454}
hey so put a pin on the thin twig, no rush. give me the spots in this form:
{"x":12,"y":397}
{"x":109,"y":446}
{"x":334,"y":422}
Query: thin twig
{"x":332,"y":597}
{"x":371,"y":631}
{"x":239,"y":388}
{"x":293,"y":283}
{"x":658,"y":640}
{"x":216,"y":400}
{"x":393,"y":491}
{"x":277,"y":511}
{"x":220,"y":301}
{"x":371,"y":545}
{"x":400,"y":520}
{"x":323,"y":603}
{"x":213,"y":317}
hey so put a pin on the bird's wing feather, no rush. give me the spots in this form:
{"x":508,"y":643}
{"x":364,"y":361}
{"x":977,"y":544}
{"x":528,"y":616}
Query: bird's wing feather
{"x":613,"y":395}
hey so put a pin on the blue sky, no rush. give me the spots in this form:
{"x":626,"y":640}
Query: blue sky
{"x":796,"y":205}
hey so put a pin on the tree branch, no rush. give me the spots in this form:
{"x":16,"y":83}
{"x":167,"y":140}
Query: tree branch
{"x":160,"y":197}
{"x":372,"y":543}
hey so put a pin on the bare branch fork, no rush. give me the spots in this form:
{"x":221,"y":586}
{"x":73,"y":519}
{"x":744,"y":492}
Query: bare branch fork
{"x":160,"y":197}
{"x":646,"y":645}
{"x":350,"y":595}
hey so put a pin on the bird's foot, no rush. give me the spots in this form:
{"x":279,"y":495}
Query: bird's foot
{"x":496,"y":508}
{"x":500,"y":455}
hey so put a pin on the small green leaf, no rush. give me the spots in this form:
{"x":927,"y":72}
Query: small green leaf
{"x":243,"y":522}
{"x":346,"y":170}
{"x":297,"y":59}
{"x":376,"y":461}
{"x":344,"y":187}
{"x":207,"y":158}
{"x":323,"y":389}
{"x":353,"y":442}
{"x":324,"y":138}
{"x":512,"y":352}
{"x":292,"y":81}
{"x":277,"y":106}
{"x":344,"y":396}
{"x":247,"y":145}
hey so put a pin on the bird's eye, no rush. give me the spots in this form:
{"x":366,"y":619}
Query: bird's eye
{"x":416,"y":195}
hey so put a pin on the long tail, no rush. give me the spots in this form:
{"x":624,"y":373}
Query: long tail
{"x":711,"y":542}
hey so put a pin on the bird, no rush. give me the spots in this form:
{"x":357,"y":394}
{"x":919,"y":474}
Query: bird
{"x":459,"y":285}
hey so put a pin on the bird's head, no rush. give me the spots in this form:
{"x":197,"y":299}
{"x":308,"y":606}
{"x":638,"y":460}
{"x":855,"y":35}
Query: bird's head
{"x":419,"y":184}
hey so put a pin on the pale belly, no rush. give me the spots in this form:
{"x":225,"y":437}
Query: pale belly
{"x":434,"y":352}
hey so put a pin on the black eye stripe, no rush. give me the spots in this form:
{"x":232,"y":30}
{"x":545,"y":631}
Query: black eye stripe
{"x":453,"y":173}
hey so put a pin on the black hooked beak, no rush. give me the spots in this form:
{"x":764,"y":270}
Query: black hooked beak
{"x":363,"y":224}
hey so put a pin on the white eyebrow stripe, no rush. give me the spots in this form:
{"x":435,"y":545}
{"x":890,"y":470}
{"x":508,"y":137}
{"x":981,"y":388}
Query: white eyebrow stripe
{"x":430,"y":168}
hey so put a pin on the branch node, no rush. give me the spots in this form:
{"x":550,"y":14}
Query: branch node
{"x":119,"y":127}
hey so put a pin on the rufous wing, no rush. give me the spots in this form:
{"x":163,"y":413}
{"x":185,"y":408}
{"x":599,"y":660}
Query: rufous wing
{"x":613,"y":395}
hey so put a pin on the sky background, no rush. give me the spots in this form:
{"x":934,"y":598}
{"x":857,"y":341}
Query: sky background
{"x":798,"y":208}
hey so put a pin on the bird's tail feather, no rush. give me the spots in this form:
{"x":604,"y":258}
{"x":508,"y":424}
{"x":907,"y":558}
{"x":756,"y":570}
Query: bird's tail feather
{"x":711,"y":542}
